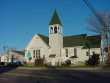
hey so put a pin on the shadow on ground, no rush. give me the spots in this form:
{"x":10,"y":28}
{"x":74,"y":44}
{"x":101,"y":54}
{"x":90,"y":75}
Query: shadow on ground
{"x":4,"y":69}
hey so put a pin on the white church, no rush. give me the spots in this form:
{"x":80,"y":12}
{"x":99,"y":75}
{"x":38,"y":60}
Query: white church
{"x":57,"y":49}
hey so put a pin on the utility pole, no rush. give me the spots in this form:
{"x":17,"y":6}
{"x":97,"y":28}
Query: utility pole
{"x":7,"y":51}
{"x":107,"y":37}
{"x":103,"y":23}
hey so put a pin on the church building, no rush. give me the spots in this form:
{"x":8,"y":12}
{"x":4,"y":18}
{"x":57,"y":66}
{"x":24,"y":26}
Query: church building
{"x":57,"y":49}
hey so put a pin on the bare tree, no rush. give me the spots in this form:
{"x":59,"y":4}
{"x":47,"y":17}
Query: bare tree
{"x":101,"y":28}
{"x":7,"y":50}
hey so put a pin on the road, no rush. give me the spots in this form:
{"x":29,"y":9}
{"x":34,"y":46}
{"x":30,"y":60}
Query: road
{"x":45,"y":75}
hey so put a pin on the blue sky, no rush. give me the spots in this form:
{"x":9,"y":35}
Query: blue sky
{"x":21,"y":19}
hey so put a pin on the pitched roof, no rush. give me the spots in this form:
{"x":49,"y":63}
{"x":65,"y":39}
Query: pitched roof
{"x":44,"y":38}
{"x":78,"y":40}
{"x":93,"y":41}
{"x":71,"y":41}
{"x":55,"y":19}
{"x":20,"y":52}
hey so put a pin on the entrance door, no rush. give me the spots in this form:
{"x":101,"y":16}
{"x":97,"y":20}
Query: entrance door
{"x":53,"y":62}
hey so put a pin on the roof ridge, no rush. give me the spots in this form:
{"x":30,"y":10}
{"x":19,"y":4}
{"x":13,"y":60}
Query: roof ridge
{"x":93,"y":35}
{"x":75,"y":35}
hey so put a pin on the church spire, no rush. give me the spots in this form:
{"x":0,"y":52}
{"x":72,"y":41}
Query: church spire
{"x":55,"y":19}
{"x":55,"y":26}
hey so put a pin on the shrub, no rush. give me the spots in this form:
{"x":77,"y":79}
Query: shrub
{"x":93,"y":60}
{"x":68,"y":62}
{"x":39,"y":61}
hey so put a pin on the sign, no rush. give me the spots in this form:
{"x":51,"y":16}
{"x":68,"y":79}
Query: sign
{"x":29,"y":55}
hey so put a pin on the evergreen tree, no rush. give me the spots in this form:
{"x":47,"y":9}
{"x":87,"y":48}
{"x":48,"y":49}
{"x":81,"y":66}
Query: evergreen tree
{"x":93,"y":60}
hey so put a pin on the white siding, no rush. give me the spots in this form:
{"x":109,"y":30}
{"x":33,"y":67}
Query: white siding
{"x":81,"y":54}
{"x":55,"y":43}
{"x":36,"y":44}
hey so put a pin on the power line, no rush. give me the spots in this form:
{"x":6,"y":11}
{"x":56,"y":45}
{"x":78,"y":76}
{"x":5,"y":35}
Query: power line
{"x":95,"y":13}
{"x":104,"y":25}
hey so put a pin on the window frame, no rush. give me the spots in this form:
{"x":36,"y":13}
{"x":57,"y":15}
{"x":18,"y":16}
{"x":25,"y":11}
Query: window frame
{"x":66,"y":51}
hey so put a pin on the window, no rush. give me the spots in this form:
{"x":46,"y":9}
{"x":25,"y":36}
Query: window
{"x":55,"y":29}
{"x":36,"y":53}
{"x":93,"y":52}
{"x":75,"y":52}
{"x":51,"y":30}
{"x":66,"y":52}
{"x":39,"y":53}
{"x":87,"y":53}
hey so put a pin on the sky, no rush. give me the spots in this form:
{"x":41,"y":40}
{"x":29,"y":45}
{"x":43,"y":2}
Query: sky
{"x":21,"y":19}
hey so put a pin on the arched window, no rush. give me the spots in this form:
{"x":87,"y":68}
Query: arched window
{"x":51,"y":30}
{"x":55,"y":29}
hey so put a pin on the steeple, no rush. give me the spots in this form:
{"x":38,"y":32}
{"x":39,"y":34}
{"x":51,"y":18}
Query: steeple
{"x":55,"y":19}
{"x":55,"y":26}
{"x":55,"y":35}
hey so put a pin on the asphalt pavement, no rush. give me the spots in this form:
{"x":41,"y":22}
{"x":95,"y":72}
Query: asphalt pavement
{"x":51,"y":75}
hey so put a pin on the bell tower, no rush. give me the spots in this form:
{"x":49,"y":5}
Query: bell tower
{"x":55,"y":34}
